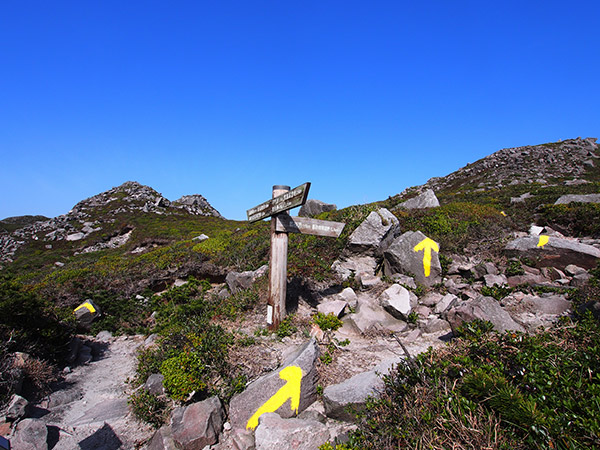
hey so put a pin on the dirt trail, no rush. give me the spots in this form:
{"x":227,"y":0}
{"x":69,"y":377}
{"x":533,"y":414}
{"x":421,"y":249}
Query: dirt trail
{"x":92,"y":411}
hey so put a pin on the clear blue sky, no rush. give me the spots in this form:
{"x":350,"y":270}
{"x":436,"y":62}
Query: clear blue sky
{"x":227,"y":98}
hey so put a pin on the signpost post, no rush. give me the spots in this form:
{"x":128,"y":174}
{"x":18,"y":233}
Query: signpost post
{"x":282,"y":223}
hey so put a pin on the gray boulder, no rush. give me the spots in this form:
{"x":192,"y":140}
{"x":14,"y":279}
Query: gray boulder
{"x":374,"y":230}
{"x":162,"y":439}
{"x":495,"y":280}
{"x":30,"y":434}
{"x":396,"y":301}
{"x":570,"y":198}
{"x":17,"y":408}
{"x":401,"y":257}
{"x":86,"y":313}
{"x":238,"y":281}
{"x":243,"y":406}
{"x":315,"y":207}
{"x":352,"y":394}
{"x":425,"y":200}
{"x":197,"y":425}
{"x":371,"y":315}
{"x":335,"y":307}
{"x":548,"y":304}
{"x":555,"y":252}
{"x":155,"y":384}
{"x":275,"y":433}
{"x":483,"y":308}
{"x":354,"y":265}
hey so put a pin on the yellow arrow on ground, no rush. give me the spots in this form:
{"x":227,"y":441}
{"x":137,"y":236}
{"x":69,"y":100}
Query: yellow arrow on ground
{"x":291,"y":390}
{"x":427,"y":245}
{"x":543,"y":241}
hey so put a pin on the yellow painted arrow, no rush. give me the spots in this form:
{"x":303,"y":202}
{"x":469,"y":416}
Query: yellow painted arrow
{"x":543,"y":241}
{"x":427,"y":245}
{"x":86,"y":305}
{"x":291,"y":390}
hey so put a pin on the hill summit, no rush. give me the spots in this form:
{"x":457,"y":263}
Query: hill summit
{"x":544,"y":163}
{"x":87,"y":216}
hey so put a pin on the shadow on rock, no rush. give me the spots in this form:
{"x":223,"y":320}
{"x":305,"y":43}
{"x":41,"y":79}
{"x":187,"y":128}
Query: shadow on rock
{"x":103,"y":439}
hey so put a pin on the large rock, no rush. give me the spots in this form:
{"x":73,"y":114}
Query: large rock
{"x":401,"y":257}
{"x":17,"y":408}
{"x":162,"y":439}
{"x":371,"y":315}
{"x":374,"y":230}
{"x":483,"y":308}
{"x":315,"y":207}
{"x":30,"y":434}
{"x":243,"y":406}
{"x":396,"y":301}
{"x":351,"y":395}
{"x":354,"y":265}
{"x":197,"y":425}
{"x":275,"y":433}
{"x":547,"y":304}
{"x":425,"y":200}
{"x":555,"y":252}
{"x":86,"y":313}
{"x":570,"y":198}
{"x":238,"y":281}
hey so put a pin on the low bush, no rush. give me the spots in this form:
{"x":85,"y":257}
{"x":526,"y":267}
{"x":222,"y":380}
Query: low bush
{"x":493,"y":391}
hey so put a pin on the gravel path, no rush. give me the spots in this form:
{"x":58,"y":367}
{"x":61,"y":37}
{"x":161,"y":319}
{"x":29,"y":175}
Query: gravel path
{"x":92,"y":411}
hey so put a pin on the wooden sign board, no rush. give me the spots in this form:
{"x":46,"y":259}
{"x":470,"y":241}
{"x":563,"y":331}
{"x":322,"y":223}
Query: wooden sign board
{"x":279,"y":204}
{"x":306,"y":225}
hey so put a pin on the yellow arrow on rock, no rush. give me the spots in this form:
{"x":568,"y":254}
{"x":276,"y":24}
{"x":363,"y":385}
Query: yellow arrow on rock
{"x":427,"y":245}
{"x":291,"y":390}
{"x":543,"y":241}
{"x":86,"y":305}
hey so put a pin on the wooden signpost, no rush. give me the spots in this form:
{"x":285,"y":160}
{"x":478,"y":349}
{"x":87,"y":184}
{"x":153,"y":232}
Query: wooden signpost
{"x":282,"y":223}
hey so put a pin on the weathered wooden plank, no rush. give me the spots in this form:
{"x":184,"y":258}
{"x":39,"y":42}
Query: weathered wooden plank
{"x":306,"y":225}
{"x":277,"y":269}
{"x":288,"y":200}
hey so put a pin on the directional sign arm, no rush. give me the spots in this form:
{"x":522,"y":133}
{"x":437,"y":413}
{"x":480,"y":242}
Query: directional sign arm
{"x":281,"y":203}
{"x":306,"y":225}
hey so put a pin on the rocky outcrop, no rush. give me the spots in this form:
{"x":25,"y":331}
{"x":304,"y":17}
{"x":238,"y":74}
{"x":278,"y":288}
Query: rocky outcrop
{"x":413,"y":254}
{"x":376,"y":229}
{"x":482,"y":308}
{"x":548,"y":251}
{"x":83,"y":221}
{"x":564,"y":159}
{"x":313,"y":208}
{"x":422,"y":201}
{"x":589,"y":198}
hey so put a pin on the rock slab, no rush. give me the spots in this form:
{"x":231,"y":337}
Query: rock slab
{"x":275,"y":433}
{"x":197,"y":425}
{"x":401,"y":257}
{"x":244,"y":405}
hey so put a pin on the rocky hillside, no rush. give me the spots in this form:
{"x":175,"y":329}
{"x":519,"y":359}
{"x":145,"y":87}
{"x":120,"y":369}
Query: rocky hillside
{"x":507,"y":244}
{"x":92,"y":216}
{"x":557,"y":162}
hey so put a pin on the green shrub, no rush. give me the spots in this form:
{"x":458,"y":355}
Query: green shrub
{"x":327,"y":321}
{"x":183,"y":374}
{"x":149,"y":408}
{"x":286,"y":327}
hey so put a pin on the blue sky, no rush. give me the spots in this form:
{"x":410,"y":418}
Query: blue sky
{"x":227,"y":98}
